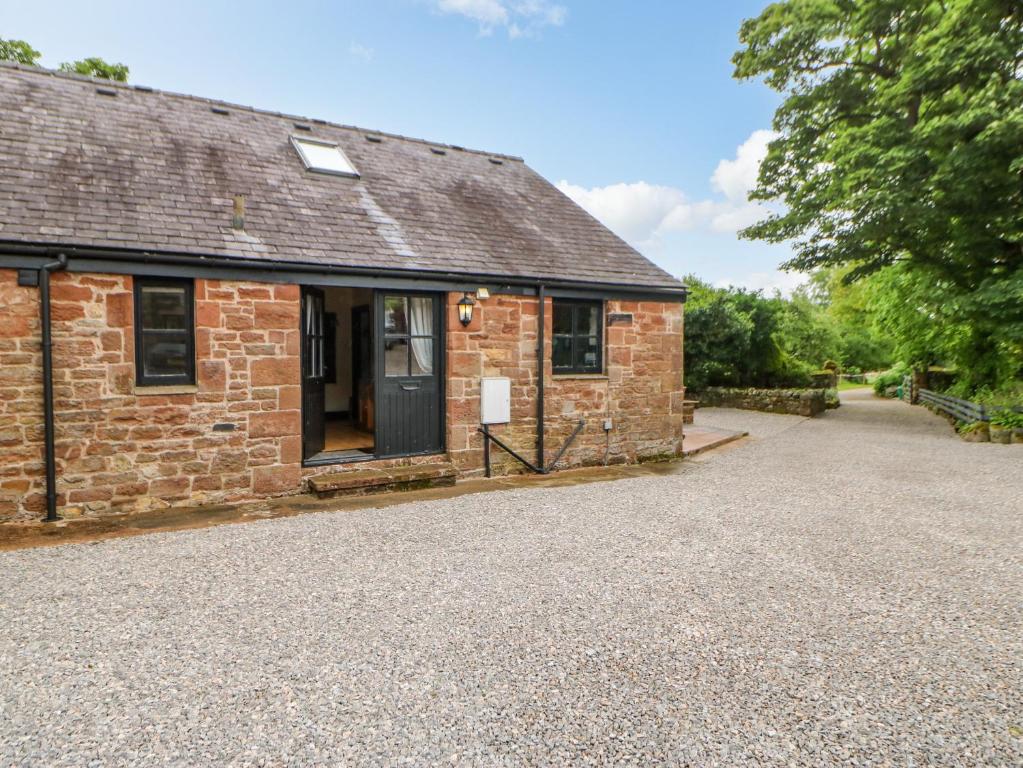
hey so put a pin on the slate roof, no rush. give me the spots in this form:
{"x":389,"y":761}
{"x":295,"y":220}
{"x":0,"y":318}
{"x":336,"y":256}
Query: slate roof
{"x":157,"y":171}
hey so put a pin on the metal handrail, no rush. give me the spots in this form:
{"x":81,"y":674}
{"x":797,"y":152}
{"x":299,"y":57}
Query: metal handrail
{"x":489,"y":438}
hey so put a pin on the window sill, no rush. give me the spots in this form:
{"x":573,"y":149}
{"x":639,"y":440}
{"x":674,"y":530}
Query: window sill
{"x":587,"y":376}
{"x":166,"y":389}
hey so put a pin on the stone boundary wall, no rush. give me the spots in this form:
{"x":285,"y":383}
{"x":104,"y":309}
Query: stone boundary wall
{"x":800,"y":402}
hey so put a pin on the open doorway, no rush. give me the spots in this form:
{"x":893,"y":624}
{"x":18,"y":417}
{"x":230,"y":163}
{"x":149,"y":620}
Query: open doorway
{"x":338,"y":400}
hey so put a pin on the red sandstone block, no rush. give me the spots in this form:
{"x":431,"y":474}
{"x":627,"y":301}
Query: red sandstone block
{"x":289,"y":398}
{"x":238,"y":322}
{"x":119,"y":310}
{"x":272,"y":371}
{"x":620,"y":356}
{"x":465,"y":364}
{"x":254,"y":292}
{"x":203,"y":347}
{"x":127,"y":490}
{"x":242,"y":480}
{"x":66,"y":312}
{"x":212,"y":375}
{"x":286,"y":292}
{"x":36,"y":502}
{"x":90,"y":494}
{"x":146,"y":432}
{"x":275,"y":480}
{"x":207,"y":314}
{"x":291,"y":449}
{"x":275,"y":424}
{"x":245,"y":406}
{"x":280,"y":315}
{"x":111,"y":341}
{"x":207,"y":483}
{"x":170,"y":488}
{"x":260,"y":350}
{"x":65,"y":291}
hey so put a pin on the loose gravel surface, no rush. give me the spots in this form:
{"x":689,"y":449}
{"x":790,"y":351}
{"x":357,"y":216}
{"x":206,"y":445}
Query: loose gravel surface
{"x":844,"y":590}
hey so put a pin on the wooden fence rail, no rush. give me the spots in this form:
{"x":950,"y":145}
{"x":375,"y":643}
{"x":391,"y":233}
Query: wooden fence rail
{"x":963,"y":410}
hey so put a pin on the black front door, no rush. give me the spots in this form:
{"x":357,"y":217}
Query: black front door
{"x":409,"y":349}
{"x":313,"y":369}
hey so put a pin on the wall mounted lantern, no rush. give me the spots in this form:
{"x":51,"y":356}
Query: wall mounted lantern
{"x":465,"y":305}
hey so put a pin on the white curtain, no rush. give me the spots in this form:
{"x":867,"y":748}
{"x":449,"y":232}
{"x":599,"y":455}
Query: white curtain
{"x":421,"y":316}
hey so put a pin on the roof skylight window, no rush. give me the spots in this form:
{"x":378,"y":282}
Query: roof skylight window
{"x":323,"y":157}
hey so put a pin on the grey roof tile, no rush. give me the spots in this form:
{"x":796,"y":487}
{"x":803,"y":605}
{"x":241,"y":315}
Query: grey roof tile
{"x":159,"y":171}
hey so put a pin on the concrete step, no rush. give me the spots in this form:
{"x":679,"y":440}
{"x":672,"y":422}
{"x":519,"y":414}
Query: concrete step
{"x":696,"y":440}
{"x":358,"y":482}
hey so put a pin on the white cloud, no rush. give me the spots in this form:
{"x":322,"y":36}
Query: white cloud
{"x":633,"y":211}
{"x":522,"y":18}
{"x":362,"y":52}
{"x":641,"y":213}
{"x":735,"y":178}
{"x":654,"y":217}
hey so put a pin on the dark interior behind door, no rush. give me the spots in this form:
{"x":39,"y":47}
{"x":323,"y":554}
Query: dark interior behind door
{"x":409,"y":365}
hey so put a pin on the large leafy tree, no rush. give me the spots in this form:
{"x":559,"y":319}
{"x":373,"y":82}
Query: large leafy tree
{"x":735,"y":337}
{"x":900,"y":142}
{"x":901,"y":134}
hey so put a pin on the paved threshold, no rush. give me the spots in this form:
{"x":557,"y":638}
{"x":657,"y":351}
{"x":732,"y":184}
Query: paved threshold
{"x":699,"y":439}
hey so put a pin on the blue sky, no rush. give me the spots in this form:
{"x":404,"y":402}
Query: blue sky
{"x":629,"y":106}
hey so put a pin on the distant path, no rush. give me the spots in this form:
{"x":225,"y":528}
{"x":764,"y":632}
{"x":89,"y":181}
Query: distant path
{"x":835,"y":591}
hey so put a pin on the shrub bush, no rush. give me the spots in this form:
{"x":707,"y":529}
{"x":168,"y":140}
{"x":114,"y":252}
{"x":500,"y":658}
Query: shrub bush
{"x":890,"y":378}
{"x":1007,"y":419}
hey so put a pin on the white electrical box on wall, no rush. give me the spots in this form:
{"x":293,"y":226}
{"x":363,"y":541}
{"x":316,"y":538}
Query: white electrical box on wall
{"x":495,"y":400}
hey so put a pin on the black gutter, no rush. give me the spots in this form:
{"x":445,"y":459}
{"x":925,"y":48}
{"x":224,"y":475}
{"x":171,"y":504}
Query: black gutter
{"x":541,"y":358}
{"x":44,"y":311}
{"x":677,"y":293}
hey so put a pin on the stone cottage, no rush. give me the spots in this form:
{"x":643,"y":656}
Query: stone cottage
{"x":204,"y":303}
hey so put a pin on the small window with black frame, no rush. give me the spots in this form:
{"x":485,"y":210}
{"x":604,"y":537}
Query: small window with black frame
{"x":164,"y":331}
{"x":578,"y":339}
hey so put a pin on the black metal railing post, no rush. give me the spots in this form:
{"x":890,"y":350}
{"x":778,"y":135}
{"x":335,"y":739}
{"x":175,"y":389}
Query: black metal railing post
{"x":489,"y":438}
{"x":486,"y":450}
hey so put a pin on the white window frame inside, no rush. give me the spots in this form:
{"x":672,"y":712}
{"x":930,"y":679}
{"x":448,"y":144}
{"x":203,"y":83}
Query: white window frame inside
{"x":298,"y":141}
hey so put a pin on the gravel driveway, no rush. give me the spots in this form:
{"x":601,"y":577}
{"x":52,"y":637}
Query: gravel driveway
{"x":842,"y":590}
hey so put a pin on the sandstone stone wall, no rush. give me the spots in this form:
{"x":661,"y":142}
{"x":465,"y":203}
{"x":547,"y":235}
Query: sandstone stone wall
{"x":236,"y":435}
{"x":641,"y":390}
{"x":123,"y":449}
{"x":801,"y":402}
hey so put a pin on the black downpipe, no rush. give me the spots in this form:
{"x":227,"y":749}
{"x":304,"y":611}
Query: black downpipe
{"x":44,"y":310}
{"x":540,"y":360}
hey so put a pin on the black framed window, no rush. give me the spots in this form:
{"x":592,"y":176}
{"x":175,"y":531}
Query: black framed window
{"x":164,"y":331}
{"x":578,"y":339}
{"x":408,"y":335}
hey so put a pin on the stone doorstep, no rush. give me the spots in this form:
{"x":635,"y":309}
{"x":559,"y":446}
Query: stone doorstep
{"x":696,"y":440}
{"x":363,"y":481}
